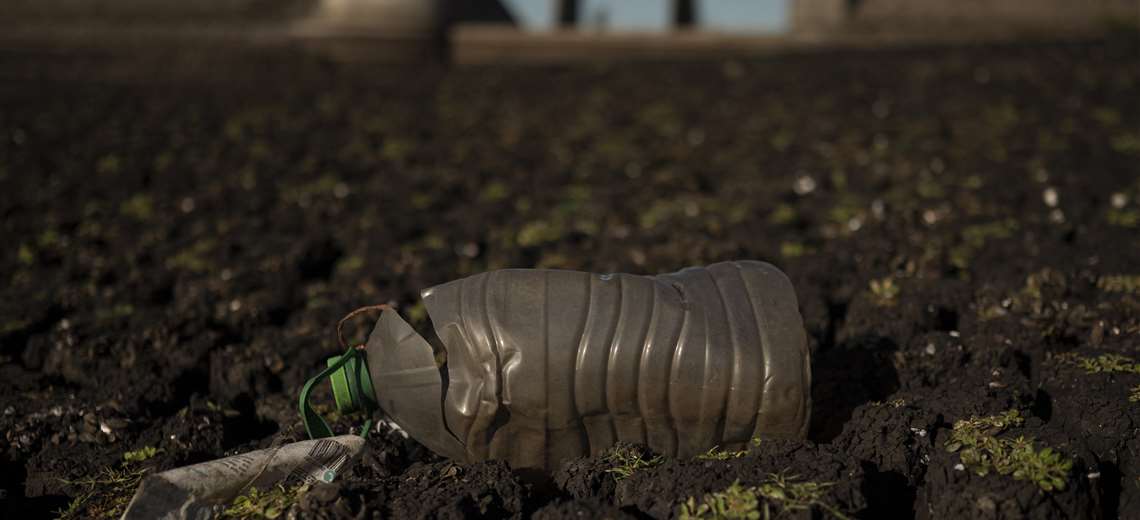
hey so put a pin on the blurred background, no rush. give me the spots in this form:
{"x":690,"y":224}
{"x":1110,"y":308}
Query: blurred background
{"x":194,"y":192}
{"x":482,"y":30}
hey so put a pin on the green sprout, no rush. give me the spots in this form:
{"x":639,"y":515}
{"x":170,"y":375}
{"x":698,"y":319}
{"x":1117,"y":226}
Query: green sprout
{"x":885,"y":291}
{"x":141,"y":454}
{"x":627,"y":461}
{"x":784,"y":493}
{"x":976,"y":443}
{"x":269,"y":504}
{"x":715,"y":453}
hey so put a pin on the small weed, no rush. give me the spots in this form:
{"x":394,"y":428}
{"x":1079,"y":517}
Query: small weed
{"x":795,"y":249}
{"x":108,"y":164}
{"x":141,"y":454}
{"x":893,"y":403}
{"x":715,"y":453}
{"x":733,"y":502}
{"x":785,"y":493}
{"x":1110,"y":363}
{"x":1104,"y":363}
{"x":1046,"y":468}
{"x":783,"y":214}
{"x":974,"y":440}
{"x":105,"y":495}
{"x":139,"y":207}
{"x":1128,"y":218}
{"x":539,"y":232}
{"x":1119,"y":283}
{"x":796,"y":496}
{"x":974,"y":238}
{"x":193,"y":258}
{"x":627,"y":461}
{"x":269,"y":504}
{"x":26,"y":255}
{"x":885,"y":292}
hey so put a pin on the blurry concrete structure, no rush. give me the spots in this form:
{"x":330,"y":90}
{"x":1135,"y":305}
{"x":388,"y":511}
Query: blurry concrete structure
{"x":484,"y":30}
{"x":966,"y":17}
{"x":150,"y":11}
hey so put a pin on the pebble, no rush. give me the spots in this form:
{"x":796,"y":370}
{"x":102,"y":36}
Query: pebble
{"x":1050,"y":197}
{"x":804,"y":184}
{"x":878,"y":208}
{"x":959,"y":467}
{"x":1119,"y":200}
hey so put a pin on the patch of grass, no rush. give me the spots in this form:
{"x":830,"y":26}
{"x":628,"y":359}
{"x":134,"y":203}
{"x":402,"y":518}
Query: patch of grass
{"x":791,"y":494}
{"x":976,"y":443}
{"x":139,"y":207}
{"x":735,"y":501}
{"x":26,"y":255}
{"x":270,"y":504}
{"x":795,"y":249}
{"x":1109,"y":363}
{"x":1134,"y":394}
{"x":350,"y":263}
{"x":893,"y":403}
{"x":141,"y":454}
{"x":627,"y":461}
{"x":1128,"y":218}
{"x":1104,"y":363}
{"x":108,"y":164}
{"x":1119,"y":283}
{"x":715,"y":453}
{"x":776,"y":495}
{"x":539,"y":232}
{"x":974,"y":238}
{"x":783,"y":214}
{"x":885,"y":292}
{"x":105,"y":495}
{"x":11,"y":326}
{"x":193,"y":258}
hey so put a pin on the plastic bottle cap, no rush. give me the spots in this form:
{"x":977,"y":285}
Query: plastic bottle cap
{"x":352,"y":385}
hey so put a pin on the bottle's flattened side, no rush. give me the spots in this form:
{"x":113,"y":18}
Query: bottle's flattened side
{"x":408,"y":384}
{"x":472,"y":401}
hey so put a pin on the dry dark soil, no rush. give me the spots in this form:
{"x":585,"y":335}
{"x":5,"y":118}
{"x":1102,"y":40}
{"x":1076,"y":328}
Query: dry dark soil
{"x":182,"y":230}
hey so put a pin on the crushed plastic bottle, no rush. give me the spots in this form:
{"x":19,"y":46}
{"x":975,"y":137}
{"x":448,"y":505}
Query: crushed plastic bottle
{"x":545,"y":365}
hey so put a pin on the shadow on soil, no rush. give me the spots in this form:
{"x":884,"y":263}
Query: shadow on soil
{"x":847,"y":375}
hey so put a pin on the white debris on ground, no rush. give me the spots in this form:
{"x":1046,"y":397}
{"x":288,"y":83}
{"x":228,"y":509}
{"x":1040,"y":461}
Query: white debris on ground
{"x":196,"y":491}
